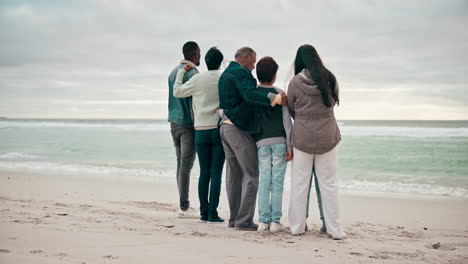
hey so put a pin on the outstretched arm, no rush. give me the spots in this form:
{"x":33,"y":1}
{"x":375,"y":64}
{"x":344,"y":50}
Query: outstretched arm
{"x":288,"y":129}
{"x":287,"y":124}
{"x":251,"y":94}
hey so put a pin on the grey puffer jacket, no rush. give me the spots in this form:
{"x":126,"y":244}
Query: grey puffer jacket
{"x":315,"y":130}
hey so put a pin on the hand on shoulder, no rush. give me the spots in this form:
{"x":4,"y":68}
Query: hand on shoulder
{"x":187,"y":67}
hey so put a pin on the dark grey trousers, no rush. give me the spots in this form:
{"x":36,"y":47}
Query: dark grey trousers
{"x":241,"y":174}
{"x":184,"y":144}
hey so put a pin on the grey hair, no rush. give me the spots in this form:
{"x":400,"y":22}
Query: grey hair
{"x":243,"y":52}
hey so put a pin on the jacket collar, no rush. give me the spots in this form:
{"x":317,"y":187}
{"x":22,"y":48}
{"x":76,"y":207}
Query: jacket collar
{"x":235,"y":64}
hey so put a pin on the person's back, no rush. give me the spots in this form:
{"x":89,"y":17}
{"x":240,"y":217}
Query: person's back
{"x":181,"y":121}
{"x":179,"y":109}
{"x":203,"y":87}
{"x":274,"y":150}
{"x":237,"y":93}
{"x":315,"y":129}
{"x":312,"y":94}
{"x":271,"y":120}
{"x":241,"y":112}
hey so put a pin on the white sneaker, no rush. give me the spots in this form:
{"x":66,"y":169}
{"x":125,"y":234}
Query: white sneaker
{"x":276,"y":227}
{"x":339,"y":236}
{"x":190,"y":213}
{"x":262,"y":227}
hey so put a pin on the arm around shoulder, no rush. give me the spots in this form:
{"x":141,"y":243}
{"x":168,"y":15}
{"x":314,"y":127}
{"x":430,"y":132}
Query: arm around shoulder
{"x":291,"y":97}
{"x":182,"y":90}
{"x":250,"y":93}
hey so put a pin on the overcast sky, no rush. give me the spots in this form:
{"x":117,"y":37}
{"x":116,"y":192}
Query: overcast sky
{"x":111,"y":59}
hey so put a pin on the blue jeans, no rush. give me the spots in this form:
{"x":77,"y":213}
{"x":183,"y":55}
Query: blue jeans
{"x":272,"y":168}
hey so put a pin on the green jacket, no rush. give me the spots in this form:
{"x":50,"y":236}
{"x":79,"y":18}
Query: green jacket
{"x":238,"y":97}
{"x":180,"y":109}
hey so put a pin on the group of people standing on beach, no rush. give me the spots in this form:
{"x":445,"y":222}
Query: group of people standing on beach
{"x":228,"y":117}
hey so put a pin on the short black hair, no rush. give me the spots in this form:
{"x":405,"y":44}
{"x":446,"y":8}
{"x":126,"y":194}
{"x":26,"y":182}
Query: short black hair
{"x":213,"y":58}
{"x":190,"y":49}
{"x":266,"y":69}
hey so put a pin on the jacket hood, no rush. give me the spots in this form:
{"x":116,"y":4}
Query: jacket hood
{"x":305,"y":83}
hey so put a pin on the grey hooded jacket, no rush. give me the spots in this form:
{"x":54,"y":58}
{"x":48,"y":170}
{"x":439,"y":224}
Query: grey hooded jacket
{"x":315,"y":130}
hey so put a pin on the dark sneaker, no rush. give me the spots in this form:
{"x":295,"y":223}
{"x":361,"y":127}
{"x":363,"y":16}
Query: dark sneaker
{"x":231,"y":225}
{"x":251,"y":227}
{"x":203,"y":218}
{"x":323,"y":229}
{"x":215,"y":220}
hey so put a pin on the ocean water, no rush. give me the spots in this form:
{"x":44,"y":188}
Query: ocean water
{"x":427,"y":157}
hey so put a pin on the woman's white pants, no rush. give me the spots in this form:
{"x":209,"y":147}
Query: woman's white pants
{"x":325,"y":169}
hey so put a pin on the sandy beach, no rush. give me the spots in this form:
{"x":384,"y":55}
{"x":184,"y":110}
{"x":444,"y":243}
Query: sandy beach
{"x":66,"y":219}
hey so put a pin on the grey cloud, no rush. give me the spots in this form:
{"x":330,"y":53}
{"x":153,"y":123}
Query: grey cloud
{"x":119,"y":50}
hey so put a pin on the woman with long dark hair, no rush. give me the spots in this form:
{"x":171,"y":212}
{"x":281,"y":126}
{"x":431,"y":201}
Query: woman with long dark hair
{"x":312,"y":95}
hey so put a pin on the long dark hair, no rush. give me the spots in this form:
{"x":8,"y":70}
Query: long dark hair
{"x":308,"y":58}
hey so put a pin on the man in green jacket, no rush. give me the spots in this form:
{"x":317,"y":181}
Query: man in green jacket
{"x":238,"y":95}
{"x":181,"y":119}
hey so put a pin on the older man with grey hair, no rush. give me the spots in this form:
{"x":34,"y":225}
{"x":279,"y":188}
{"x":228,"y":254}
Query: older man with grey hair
{"x":238,"y":97}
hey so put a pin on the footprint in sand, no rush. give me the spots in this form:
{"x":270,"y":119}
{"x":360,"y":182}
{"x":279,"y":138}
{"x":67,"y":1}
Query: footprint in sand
{"x":61,"y":255}
{"x":4,"y":251}
{"x":379,"y":256}
{"x":36,"y":251}
{"x":110,"y":257}
{"x":196,"y":233}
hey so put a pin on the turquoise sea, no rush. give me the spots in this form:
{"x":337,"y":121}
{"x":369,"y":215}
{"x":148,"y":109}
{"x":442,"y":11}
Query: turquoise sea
{"x":428,"y":157}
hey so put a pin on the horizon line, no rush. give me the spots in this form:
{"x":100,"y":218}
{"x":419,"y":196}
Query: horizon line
{"x":2,"y":118}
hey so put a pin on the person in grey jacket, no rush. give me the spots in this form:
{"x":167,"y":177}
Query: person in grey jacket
{"x":312,"y":95}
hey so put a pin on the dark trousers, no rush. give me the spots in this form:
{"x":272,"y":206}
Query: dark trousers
{"x":241,"y":174}
{"x":319,"y":196}
{"x":211,"y":158}
{"x":183,"y":138}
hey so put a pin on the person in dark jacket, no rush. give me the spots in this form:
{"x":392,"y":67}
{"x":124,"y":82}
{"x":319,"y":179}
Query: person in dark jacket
{"x":238,"y":96}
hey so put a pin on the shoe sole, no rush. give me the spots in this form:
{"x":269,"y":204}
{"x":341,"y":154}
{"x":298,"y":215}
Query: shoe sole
{"x":188,"y":217}
{"x":337,"y":238}
{"x":245,"y":229}
{"x":298,"y":234}
{"x":277,"y":231}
